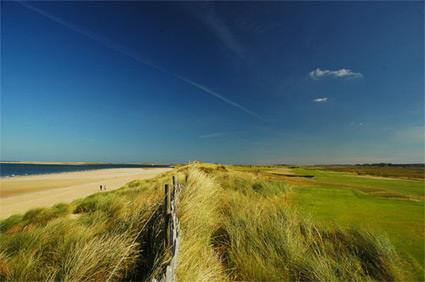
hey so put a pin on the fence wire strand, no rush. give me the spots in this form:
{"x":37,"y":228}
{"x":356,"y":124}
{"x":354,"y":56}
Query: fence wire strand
{"x":134,"y":241}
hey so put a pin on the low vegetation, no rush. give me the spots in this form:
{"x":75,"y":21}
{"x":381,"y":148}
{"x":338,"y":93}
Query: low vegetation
{"x":249,"y":233}
{"x":408,"y":172}
{"x":83,"y":240}
{"x":236,"y":225}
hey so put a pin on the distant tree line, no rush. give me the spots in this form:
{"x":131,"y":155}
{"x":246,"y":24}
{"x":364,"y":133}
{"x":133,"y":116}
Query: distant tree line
{"x":417,"y":165}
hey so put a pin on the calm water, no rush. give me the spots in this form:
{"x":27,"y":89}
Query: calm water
{"x":9,"y":170}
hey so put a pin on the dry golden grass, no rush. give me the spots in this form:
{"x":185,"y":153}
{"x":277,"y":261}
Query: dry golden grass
{"x":235,"y":226}
{"x":83,"y":240}
{"x":241,"y":220}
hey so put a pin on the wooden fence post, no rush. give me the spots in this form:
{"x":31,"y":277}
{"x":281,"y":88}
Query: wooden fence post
{"x":167,"y":211}
{"x":172,"y":231}
{"x":174,"y":187}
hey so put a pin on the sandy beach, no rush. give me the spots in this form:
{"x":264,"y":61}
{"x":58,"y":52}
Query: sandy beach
{"x":19,"y":194}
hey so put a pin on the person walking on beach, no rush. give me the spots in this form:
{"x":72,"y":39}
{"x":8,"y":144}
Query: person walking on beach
{"x":104,"y":187}
{"x":100,"y":187}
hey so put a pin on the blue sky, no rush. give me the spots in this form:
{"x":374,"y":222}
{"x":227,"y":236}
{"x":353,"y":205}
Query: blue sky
{"x":227,"y":82}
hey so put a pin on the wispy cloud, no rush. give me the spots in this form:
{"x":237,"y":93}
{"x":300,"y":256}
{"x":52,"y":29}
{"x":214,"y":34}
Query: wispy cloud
{"x":215,"y":94}
{"x":206,"y":14}
{"x":342,"y":73}
{"x":321,"y":100}
{"x":123,"y":50}
{"x":212,"y":135}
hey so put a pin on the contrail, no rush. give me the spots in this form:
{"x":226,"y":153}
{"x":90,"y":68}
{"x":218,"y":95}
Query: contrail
{"x":203,"y":88}
{"x":121,"y":49}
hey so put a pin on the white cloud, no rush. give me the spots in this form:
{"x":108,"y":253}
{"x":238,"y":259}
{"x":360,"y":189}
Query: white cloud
{"x":343,"y":73}
{"x":319,"y":100}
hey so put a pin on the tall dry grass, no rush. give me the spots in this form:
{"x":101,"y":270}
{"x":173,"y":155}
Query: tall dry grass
{"x":268,"y":241}
{"x":236,"y":226}
{"x":198,"y":211}
{"x":83,"y":240}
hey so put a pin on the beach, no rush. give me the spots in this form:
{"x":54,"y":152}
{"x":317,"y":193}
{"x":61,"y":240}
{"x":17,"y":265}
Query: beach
{"x":19,"y":194}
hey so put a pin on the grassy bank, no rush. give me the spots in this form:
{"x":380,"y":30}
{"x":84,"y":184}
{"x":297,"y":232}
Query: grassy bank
{"x":393,"y":206}
{"x":236,"y":225}
{"x":248,"y":233}
{"x":83,"y":240}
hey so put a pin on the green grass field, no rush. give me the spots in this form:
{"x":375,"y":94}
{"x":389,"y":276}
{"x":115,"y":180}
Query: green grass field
{"x":395,"y":207}
{"x":257,"y":237}
{"x":236,"y":225}
{"x":399,"y":172}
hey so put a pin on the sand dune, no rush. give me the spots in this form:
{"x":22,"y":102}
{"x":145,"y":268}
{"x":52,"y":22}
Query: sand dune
{"x":19,"y":194}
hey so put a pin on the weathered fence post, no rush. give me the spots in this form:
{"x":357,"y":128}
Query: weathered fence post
{"x":174,"y":187}
{"x":172,"y":231}
{"x":167,"y":212}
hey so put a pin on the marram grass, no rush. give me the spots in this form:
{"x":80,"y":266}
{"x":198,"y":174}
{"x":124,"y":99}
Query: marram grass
{"x":241,"y":220}
{"x":235,"y":226}
{"x":80,"y":241}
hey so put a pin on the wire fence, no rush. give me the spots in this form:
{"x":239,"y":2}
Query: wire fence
{"x":172,"y":233}
{"x":174,"y":237}
{"x":132,"y":243}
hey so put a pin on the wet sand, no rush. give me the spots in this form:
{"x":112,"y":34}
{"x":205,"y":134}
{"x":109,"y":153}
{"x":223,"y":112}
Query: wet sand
{"x":19,"y":194}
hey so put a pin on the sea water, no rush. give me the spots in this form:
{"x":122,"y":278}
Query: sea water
{"x":17,"y":169}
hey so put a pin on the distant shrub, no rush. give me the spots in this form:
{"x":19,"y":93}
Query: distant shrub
{"x":221,"y":167}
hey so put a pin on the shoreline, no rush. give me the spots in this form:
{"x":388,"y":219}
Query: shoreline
{"x":51,"y":163}
{"x":21,"y":193}
{"x":87,"y":170}
{"x":22,"y":169}
{"x":80,"y":163}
